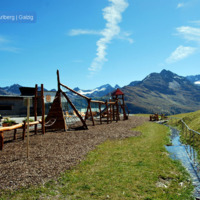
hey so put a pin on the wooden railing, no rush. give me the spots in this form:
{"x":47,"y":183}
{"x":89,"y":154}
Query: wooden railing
{"x":15,"y":127}
{"x":191,"y":139}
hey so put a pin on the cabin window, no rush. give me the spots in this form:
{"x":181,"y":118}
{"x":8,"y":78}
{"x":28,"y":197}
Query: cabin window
{"x":5,"y":107}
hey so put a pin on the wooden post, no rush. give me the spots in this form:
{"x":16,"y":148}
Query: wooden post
{"x":100,"y":113}
{"x":113,"y":113}
{"x":117,"y":113}
{"x":58,"y":79}
{"x":107,"y":112}
{"x":43,"y":109}
{"x":91,"y":114}
{"x":24,"y":130}
{"x":123,"y":108}
{"x":110,"y":113}
{"x":86,"y":114}
{"x":15,"y":134}
{"x":35,"y":107}
{"x":28,"y":115}
{"x":1,"y":140}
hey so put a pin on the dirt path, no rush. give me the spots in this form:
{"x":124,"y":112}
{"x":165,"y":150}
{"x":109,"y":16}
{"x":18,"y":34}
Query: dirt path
{"x":55,"y":152}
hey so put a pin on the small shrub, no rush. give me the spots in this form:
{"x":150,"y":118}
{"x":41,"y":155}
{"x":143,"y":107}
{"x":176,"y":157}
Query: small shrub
{"x":8,"y":121}
{"x":30,"y":120}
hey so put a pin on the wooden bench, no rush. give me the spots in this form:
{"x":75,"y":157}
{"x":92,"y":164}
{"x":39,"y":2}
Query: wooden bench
{"x":154,"y":117}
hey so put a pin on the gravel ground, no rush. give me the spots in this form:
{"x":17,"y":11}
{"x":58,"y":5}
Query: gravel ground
{"x":55,"y":152}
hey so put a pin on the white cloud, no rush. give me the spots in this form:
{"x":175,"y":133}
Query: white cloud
{"x":112,"y":14}
{"x":121,"y":36}
{"x":189,"y":33}
{"x":75,"y":32}
{"x":10,"y":49}
{"x":125,"y":36}
{"x":196,"y":22}
{"x":3,"y":40}
{"x":5,"y":45}
{"x":180,"y":53}
{"x":180,"y":5}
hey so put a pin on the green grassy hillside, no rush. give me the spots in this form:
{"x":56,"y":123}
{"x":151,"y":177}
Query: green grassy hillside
{"x":191,"y":119}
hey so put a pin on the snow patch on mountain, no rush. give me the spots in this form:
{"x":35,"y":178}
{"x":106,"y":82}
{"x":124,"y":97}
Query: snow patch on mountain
{"x":83,"y":92}
{"x":178,"y":77}
{"x":197,"y":82}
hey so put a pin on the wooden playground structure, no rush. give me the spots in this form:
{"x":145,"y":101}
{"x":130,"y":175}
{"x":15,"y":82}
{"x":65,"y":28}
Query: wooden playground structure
{"x":108,"y":110}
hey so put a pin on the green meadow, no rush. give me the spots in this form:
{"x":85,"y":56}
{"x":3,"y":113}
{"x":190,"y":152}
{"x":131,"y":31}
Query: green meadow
{"x":133,"y":168}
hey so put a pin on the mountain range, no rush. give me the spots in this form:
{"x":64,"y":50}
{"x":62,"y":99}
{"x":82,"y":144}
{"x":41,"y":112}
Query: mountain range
{"x":164,"y":92}
{"x":97,"y":92}
{"x":10,"y":90}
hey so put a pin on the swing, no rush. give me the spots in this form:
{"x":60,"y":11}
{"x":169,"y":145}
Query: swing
{"x":51,"y":122}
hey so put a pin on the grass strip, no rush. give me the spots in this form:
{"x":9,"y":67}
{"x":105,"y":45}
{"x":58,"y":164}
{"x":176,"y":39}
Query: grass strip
{"x":133,"y":168}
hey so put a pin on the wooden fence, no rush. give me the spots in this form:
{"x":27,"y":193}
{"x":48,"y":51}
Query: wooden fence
{"x":190,"y":137}
{"x":15,"y":127}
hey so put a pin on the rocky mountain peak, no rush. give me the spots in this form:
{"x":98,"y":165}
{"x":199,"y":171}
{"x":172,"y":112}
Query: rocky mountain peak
{"x":117,"y":86}
{"x":76,"y":89}
{"x":106,"y":86}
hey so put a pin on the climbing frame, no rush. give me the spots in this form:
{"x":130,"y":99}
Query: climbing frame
{"x":57,"y":113}
{"x":110,"y":112}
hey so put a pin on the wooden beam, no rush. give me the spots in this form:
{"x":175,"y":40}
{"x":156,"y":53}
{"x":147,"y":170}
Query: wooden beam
{"x":117,"y":113}
{"x":111,"y":113}
{"x":114,"y":109}
{"x":35,"y":106}
{"x":111,"y":103}
{"x":16,"y":126}
{"x":34,"y":123}
{"x":96,"y":101}
{"x":28,"y":125}
{"x":1,"y":140}
{"x":91,"y":114}
{"x":100,"y":114}
{"x":15,"y":134}
{"x":9,"y":128}
{"x":123,"y":108}
{"x":86,"y":114}
{"x":107,"y":112}
{"x":74,"y":108}
{"x":58,"y":80}
{"x":43,"y":109}
{"x":75,"y":92}
{"x":24,"y":131}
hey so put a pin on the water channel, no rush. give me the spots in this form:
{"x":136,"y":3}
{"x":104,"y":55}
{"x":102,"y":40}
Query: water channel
{"x":188,"y":156}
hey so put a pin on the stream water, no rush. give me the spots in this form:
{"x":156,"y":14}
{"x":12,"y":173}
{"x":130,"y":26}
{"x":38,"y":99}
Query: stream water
{"x":187,"y":155}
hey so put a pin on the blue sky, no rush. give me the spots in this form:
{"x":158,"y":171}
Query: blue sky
{"x":95,"y":42}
